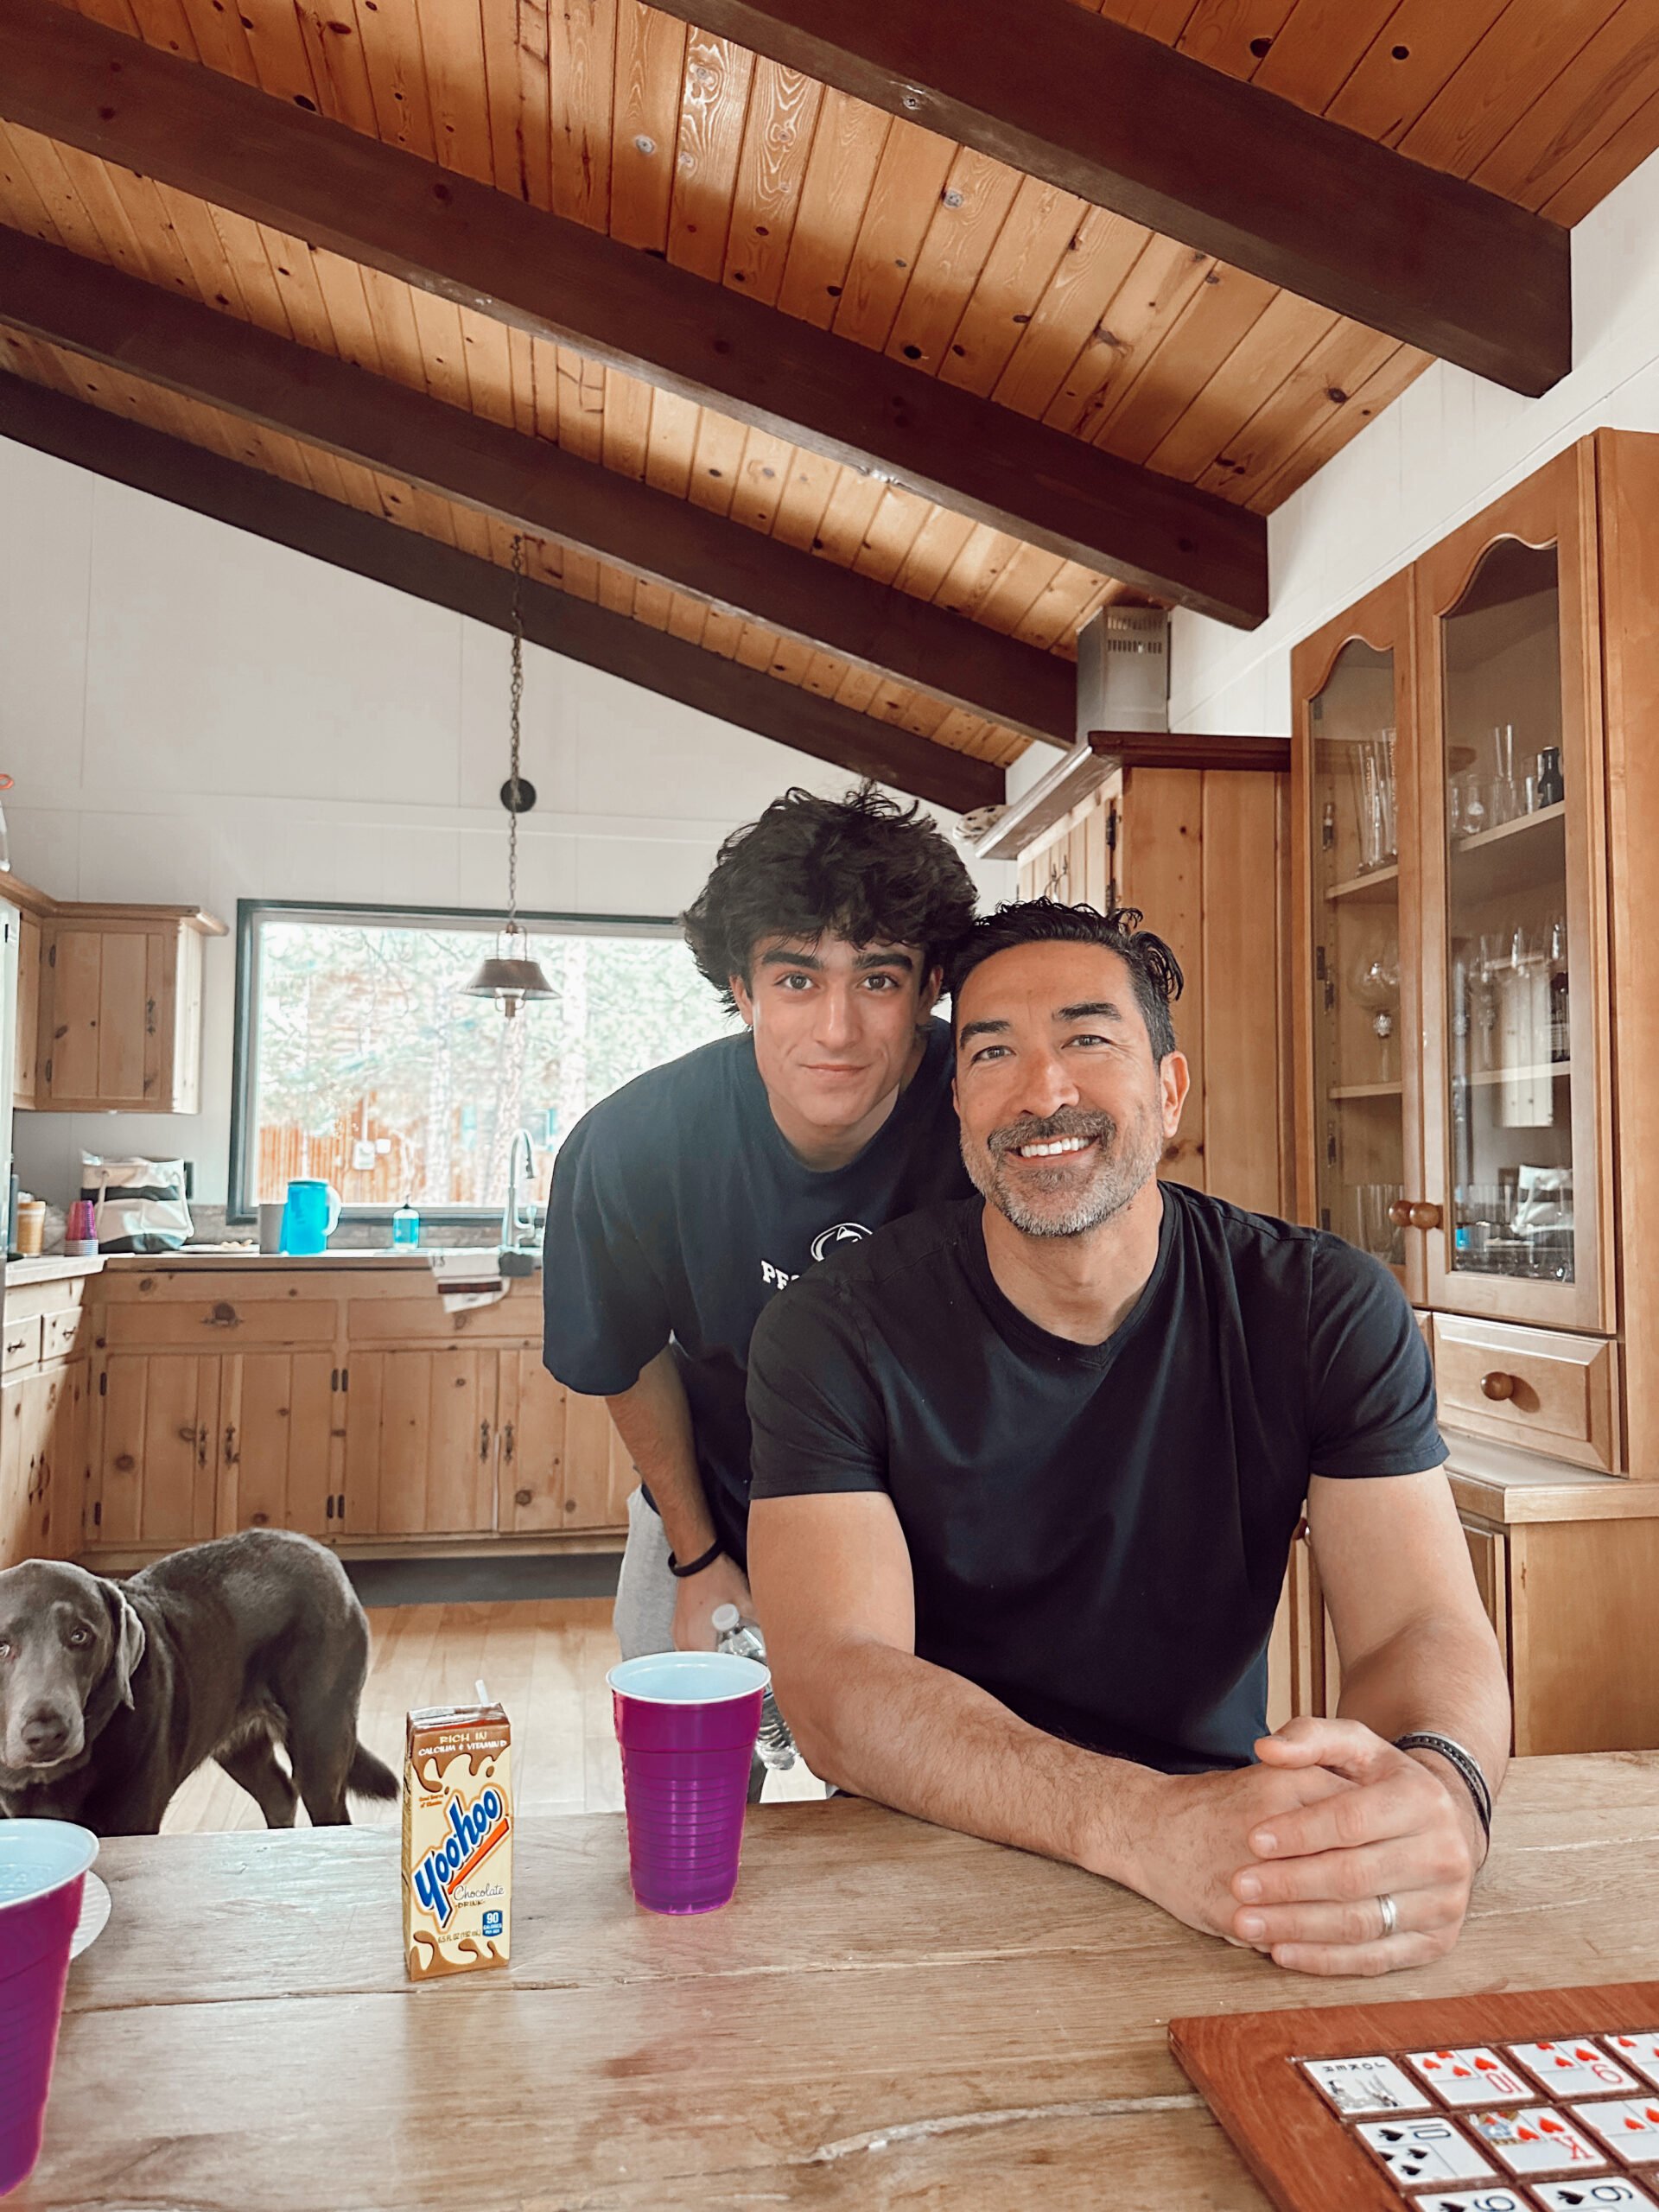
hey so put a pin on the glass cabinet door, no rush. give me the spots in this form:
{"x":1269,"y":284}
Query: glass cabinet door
{"x":1511,"y":1102}
{"x":1359,"y":1172}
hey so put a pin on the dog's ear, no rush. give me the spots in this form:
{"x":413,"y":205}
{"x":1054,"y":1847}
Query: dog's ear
{"x":128,"y":1639}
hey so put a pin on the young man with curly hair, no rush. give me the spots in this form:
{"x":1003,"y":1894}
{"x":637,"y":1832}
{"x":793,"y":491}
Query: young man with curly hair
{"x":685,"y":1201}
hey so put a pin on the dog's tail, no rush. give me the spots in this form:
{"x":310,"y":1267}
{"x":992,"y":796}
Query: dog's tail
{"x":369,"y":1776}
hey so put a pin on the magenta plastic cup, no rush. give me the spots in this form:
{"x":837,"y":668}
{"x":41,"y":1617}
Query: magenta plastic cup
{"x":42,"y":1866}
{"x":687,"y":1722}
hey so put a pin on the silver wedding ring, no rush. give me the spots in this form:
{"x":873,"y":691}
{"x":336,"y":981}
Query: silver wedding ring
{"x":1390,"y":1913}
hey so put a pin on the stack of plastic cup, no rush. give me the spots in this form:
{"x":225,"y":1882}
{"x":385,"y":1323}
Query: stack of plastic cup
{"x":687,"y":1723}
{"x":42,"y":1865}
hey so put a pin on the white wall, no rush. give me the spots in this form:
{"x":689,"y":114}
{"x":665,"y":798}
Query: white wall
{"x":191,"y":715}
{"x":1446,"y":448}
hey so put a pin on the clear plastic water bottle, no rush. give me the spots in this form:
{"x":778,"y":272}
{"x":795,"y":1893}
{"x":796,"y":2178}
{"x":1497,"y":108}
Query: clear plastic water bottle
{"x":733,"y":1633}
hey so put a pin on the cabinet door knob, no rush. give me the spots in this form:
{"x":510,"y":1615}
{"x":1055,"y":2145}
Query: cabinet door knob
{"x":1400,"y":1213}
{"x":1422,"y":1215}
{"x":1497,"y":1385}
{"x":222,"y":1317}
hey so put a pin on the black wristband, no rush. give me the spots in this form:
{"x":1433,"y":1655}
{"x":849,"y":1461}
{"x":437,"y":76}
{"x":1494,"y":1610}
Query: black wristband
{"x":716,"y":1550}
{"x":1464,"y":1765}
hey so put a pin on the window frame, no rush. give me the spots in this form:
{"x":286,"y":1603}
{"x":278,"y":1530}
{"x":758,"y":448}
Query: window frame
{"x":240,"y":1210}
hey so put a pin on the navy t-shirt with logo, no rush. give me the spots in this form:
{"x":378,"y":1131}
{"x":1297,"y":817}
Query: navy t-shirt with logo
{"x":679,"y":1211}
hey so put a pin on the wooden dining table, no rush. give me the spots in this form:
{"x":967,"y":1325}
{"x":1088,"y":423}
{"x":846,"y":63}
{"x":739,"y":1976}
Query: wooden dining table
{"x":889,"y":2015}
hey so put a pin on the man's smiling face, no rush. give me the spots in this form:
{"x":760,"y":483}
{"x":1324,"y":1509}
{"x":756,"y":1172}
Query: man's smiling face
{"x":1065,"y":1112}
{"x":834,"y":1024}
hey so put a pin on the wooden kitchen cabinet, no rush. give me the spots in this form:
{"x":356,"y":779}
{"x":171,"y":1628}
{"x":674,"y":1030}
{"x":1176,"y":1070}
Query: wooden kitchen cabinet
{"x":281,"y":1442}
{"x":420,"y":1442}
{"x":26,"y":1065}
{"x":120,"y":1009}
{"x":156,"y":1467}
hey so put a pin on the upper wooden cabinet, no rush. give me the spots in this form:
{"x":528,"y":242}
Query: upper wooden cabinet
{"x":109,"y":1005}
{"x":1477,"y":801}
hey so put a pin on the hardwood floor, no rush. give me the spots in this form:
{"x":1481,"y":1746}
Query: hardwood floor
{"x":545,"y":1659}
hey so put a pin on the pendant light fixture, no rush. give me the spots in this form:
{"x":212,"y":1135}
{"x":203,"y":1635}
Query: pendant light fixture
{"x":510,"y":976}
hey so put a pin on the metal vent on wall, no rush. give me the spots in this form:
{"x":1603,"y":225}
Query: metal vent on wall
{"x":1123,"y":670}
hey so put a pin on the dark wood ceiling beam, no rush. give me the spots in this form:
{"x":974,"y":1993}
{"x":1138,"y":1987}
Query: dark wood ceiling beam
{"x":78,"y":82}
{"x":246,"y":498}
{"x":1126,"y":122}
{"x":527,"y":482}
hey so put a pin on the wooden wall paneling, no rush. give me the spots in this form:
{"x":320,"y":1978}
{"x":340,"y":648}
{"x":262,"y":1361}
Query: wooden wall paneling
{"x":1240,"y":965}
{"x":1628,"y":471}
{"x":840,"y":171}
{"x":777,"y":136}
{"x":1161,"y":872}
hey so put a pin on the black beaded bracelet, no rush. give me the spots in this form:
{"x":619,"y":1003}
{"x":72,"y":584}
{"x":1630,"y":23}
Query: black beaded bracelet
{"x":1464,"y":1763}
{"x":716,"y":1550}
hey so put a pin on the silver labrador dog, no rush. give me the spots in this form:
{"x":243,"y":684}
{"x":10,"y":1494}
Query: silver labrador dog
{"x":112,"y":1694}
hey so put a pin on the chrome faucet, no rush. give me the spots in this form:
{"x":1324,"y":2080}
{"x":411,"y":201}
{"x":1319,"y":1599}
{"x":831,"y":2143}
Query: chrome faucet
{"x":518,"y":1214}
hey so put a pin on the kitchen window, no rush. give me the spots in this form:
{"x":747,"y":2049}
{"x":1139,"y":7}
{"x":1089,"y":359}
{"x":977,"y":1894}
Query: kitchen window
{"x":358,"y":1062}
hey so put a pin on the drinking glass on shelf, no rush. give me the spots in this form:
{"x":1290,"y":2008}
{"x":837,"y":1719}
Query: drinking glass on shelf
{"x":1371,"y":766}
{"x":1376,"y":985}
{"x":1373,"y":1230}
{"x":1506,"y":792}
{"x":1476,"y":816}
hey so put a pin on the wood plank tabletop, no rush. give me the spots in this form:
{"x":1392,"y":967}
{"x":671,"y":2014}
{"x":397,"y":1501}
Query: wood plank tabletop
{"x":887,"y":2016}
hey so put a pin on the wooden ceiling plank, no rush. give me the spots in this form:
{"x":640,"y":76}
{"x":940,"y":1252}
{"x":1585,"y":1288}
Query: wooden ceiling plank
{"x":452,"y":44}
{"x":1040,"y":230}
{"x":63,"y":203}
{"x":650,"y":65}
{"x":1065,"y":602}
{"x":581,"y":576}
{"x":1526,"y":50}
{"x":114,"y":14}
{"x":1219,"y":318}
{"x":772,"y":170}
{"x":581,"y":76}
{"x":763,"y":476}
{"x":94,"y":187}
{"x":443,"y":355}
{"x":339,"y":68}
{"x":720,"y":632}
{"x":1380,"y":390}
{"x":219,"y":39}
{"x":242,"y":246}
{"x":1152,"y":299}
{"x":164,"y":25}
{"x":1164,"y":20}
{"x":840,"y":174}
{"x":1409,"y":61}
{"x":625,"y":426}
{"x":582,"y":405}
{"x":489,"y":366}
{"x":521,"y":369}
{"x":295,"y":276}
{"x":518,"y":98}
{"x":938,"y":544}
{"x":687,"y":618}
{"x":911,"y":174}
{"x":1025,"y":576}
{"x":1278,"y":342}
{"x":1103,"y":253}
{"x":672,"y":441}
{"x":716,"y":463}
{"x":1224,"y":34}
{"x":1320,"y":391}
{"x":392,"y":314}
{"x":339,"y":283}
{"x":803,"y":499}
{"x":282,"y":66}
{"x":23,"y":204}
{"x":545,"y":385}
{"x":975,"y":569}
{"x":891,"y":532}
{"x":1593,"y":100}
{"x":1607,"y":167}
{"x":622,"y":593}
{"x":1319,"y":48}
{"x":390,"y":30}
{"x":199,"y":244}
{"x":975,"y":202}
{"x":1238,"y":175}
{"x":933,"y":437}
{"x":713,"y":108}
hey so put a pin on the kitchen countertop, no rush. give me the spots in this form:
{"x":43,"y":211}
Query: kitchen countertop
{"x":58,"y":1267}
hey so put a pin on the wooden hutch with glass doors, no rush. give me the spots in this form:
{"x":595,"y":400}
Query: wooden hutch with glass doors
{"x":1474,"y":798}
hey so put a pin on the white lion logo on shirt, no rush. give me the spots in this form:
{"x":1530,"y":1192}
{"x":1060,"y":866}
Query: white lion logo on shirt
{"x":832,"y":1240}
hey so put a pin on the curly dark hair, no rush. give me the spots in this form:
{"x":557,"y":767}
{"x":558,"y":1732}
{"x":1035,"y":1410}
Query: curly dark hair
{"x":862,"y":867}
{"x":1154,"y":969}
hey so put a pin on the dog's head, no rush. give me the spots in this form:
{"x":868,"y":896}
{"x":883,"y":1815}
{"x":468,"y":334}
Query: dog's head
{"x":70,"y":1644}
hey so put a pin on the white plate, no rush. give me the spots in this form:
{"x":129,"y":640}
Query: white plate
{"x":94,"y":1916}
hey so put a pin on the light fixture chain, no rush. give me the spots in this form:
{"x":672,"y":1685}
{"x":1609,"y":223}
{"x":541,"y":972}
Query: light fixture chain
{"x":517,"y":695}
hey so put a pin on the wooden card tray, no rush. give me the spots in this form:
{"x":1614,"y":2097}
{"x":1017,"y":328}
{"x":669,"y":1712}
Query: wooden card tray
{"x":1299,"y":2149}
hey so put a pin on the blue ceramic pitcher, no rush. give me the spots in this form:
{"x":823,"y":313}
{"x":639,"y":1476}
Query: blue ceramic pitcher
{"x":308,"y":1217}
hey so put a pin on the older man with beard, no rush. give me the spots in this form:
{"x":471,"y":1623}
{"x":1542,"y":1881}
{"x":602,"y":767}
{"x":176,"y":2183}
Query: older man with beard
{"x":1027,"y":1468}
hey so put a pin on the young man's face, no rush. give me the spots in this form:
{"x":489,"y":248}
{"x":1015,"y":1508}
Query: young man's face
{"x":1065,"y":1112}
{"x":834,"y":1024}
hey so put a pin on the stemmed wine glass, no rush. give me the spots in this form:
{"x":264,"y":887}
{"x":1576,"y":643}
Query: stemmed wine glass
{"x":1376,"y":985}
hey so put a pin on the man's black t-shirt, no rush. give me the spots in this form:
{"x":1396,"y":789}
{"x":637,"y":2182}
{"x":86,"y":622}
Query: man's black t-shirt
{"x":1098,"y":1534}
{"x":678,"y":1210}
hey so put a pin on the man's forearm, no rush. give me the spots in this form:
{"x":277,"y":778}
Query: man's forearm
{"x":654,"y":1421}
{"x":1441,"y":1676}
{"x":925,"y":1741}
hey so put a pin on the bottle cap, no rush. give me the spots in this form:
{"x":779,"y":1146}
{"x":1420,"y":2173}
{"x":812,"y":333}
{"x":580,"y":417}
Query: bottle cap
{"x":723,"y":1620}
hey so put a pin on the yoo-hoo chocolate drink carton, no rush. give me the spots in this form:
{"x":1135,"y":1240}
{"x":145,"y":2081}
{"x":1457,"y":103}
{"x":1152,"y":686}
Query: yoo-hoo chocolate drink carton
{"x":457,"y":1840}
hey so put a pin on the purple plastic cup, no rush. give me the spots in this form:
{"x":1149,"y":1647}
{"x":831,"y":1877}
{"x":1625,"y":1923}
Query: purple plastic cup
{"x":42,"y":1869}
{"x":687,"y":1723}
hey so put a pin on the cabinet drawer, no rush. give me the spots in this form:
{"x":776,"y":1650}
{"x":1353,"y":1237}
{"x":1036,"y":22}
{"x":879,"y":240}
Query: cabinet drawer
{"x":204,"y":1324}
{"x":19,"y":1344}
{"x":59,"y":1332}
{"x":425,"y":1320}
{"x":1541,"y":1387}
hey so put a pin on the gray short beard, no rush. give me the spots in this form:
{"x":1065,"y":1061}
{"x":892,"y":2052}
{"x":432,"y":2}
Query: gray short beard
{"x":1123,"y":1173}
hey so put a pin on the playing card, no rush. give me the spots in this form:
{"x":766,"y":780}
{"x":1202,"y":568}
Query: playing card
{"x":1612,"y":2193}
{"x":1495,"y":2199}
{"x":1570,"y":2069}
{"x":1416,"y":2150}
{"x":1627,"y":2125}
{"x":1474,"y":2076}
{"x":1641,"y":2052}
{"x":1537,"y":2142}
{"x":1359,"y":2086}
